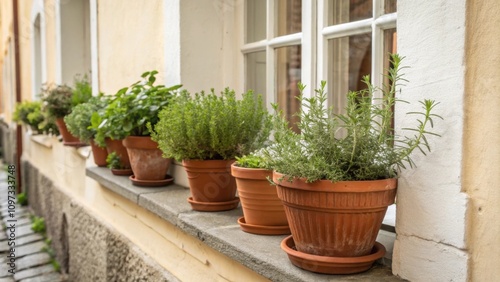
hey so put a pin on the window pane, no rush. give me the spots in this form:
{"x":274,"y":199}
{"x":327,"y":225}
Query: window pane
{"x":255,"y":20}
{"x":256,"y":73}
{"x":288,"y":70}
{"x":349,"y":60}
{"x":289,"y":17}
{"x":390,"y":6}
{"x":343,"y":11}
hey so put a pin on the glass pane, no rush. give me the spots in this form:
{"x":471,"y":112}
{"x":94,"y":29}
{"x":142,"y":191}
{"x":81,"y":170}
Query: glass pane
{"x":390,"y":47}
{"x":349,"y":59}
{"x":255,"y":20}
{"x":344,"y":11}
{"x":288,"y":71}
{"x":390,"y":6}
{"x":289,"y":17}
{"x":256,"y":73}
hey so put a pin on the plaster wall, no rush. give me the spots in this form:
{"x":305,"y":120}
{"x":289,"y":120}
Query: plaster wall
{"x":481,"y":166}
{"x":130,"y":41}
{"x":431,"y":213}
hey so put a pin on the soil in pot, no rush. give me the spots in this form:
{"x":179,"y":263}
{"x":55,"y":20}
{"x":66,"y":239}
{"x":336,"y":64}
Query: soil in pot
{"x":211,"y":182}
{"x":263,"y":211}
{"x":339,"y":219}
{"x":146,"y":159}
{"x":68,"y":138}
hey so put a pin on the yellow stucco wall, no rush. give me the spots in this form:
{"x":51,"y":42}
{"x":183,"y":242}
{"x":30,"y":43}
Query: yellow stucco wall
{"x":481,"y":165}
{"x":131,"y":41}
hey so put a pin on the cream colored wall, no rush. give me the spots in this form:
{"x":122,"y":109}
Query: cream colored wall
{"x":130,"y":41}
{"x":481,"y":165}
{"x":25,"y":48}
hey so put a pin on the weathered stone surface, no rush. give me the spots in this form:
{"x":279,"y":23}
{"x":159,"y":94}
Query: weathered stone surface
{"x":32,"y":272}
{"x":4,"y":247}
{"x":48,"y":277}
{"x":33,"y":260}
{"x":30,"y":248}
{"x":24,"y":221}
{"x":28,"y":239}
{"x":3,"y":236}
{"x":7,"y":279}
{"x":24,"y":230}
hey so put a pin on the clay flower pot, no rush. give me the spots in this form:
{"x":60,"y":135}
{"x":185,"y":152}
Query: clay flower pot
{"x":339,"y":219}
{"x":117,"y":146}
{"x":147,"y":162}
{"x":211,"y":184}
{"x":262,"y":209}
{"x":99,"y":154}
{"x":68,"y":138}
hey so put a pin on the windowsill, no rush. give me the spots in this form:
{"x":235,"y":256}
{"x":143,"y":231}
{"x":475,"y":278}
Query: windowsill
{"x":220,"y":230}
{"x":42,"y":139}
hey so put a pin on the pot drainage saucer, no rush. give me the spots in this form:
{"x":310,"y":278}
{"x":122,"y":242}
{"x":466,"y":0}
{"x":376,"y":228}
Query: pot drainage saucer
{"x":152,"y":183}
{"x":214,"y":206}
{"x":263,"y":229}
{"x":124,"y":172}
{"x":331,"y":265}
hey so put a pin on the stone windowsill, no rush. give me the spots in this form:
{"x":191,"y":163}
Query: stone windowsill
{"x":220,"y":231}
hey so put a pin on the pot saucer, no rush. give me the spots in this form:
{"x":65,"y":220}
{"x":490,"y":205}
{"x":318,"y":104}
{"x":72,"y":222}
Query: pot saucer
{"x":124,"y":172}
{"x":214,"y":206}
{"x":263,"y":229}
{"x":331,"y":265}
{"x":151,"y":183}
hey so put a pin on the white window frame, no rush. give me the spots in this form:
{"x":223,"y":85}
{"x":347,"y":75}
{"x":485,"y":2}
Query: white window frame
{"x":38,"y":9}
{"x":314,"y":42}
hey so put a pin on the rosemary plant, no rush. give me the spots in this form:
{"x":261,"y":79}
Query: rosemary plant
{"x":357,"y":145}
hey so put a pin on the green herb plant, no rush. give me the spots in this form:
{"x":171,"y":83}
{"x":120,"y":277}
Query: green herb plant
{"x":79,"y":121}
{"x":59,"y":100}
{"x":357,"y":145}
{"x":30,"y":114}
{"x":253,"y":160}
{"x":212,"y":127}
{"x":114,"y":161}
{"x":132,"y":108}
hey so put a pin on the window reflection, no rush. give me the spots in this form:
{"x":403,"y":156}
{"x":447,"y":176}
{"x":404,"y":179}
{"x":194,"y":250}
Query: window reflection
{"x":288,"y":75}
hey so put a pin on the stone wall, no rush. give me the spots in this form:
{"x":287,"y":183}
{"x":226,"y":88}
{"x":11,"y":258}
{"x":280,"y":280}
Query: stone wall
{"x":87,"y":248}
{"x":8,"y":143}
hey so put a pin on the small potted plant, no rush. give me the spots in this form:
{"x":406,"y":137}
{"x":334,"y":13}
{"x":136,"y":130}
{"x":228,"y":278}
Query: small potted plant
{"x":79,"y":124}
{"x":131,"y":109}
{"x":263,"y":212}
{"x":59,"y":100}
{"x":116,"y":165}
{"x":207,"y":132}
{"x":337,"y":178}
{"x":30,"y":114}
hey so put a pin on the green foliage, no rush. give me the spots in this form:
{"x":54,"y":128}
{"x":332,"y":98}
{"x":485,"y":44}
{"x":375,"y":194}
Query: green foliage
{"x":114,"y":161}
{"x":22,"y":199}
{"x":38,"y":224}
{"x":82,"y":90}
{"x":357,"y":145}
{"x":79,"y":121}
{"x":132,"y":108}
{"x":253,"y":160}
{"x":28,"y":113}
{"x":212,"y":127}
{"x":57,"y":100}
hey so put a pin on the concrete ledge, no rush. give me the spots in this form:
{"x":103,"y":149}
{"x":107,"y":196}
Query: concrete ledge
{"x":220,"y":231}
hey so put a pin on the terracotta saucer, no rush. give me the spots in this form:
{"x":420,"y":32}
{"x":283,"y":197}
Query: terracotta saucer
{"x":123,"y":172}
{"x":214,"y":206}
{"x":331,"y":265}
{"x":263,"y":229}
{"x":74,"y":144}
{"x":151,"y":183}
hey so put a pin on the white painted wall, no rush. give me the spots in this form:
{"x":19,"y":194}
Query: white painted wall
{"x":431,"y":213}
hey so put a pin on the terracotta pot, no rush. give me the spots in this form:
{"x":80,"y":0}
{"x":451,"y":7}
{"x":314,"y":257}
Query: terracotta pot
{"x":210,"y":181}
{"x":339,"y":219}
{"x":117,"y":146}
{"x":99,"y":154}
{"x":121,"y":172}
{"x":259,"y":199}
{"x":68,"y":138}
{"x":146,"y":159}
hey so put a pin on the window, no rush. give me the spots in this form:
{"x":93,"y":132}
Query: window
{"x":339,"y":41}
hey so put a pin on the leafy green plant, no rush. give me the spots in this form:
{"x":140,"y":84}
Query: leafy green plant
{"x":38,"y":224}
{"x":253,"y":160}
{"x":212,"y":127}
{"x":28,"y":113}
{"x":114,"y":161}
{"x":357,"y":145}
{"x":132,"y":108}
{"x":82,"y":90}
{"x":59,"y":100}
{"x":79,"y":121}
{"x":22,"y":199}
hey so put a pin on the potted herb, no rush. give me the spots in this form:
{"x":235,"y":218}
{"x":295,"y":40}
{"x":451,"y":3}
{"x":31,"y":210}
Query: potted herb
{"x":207,"y":132}
{"x":337,"y":178}
{"x":263,"y":212}
{"x":59,"y":100}
{"x":116,"y":165}
{"x":128,"y":115}
{"x":30,"y":114}
{"x":79,"y":124}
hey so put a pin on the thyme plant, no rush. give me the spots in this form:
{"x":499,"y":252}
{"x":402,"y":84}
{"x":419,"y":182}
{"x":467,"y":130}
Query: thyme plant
{"x":357,"y":145}
{"x":212,"y":127}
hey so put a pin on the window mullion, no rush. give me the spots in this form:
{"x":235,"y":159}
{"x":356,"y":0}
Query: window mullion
{"x":270,"y":56}
{"x":308,"y":56}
